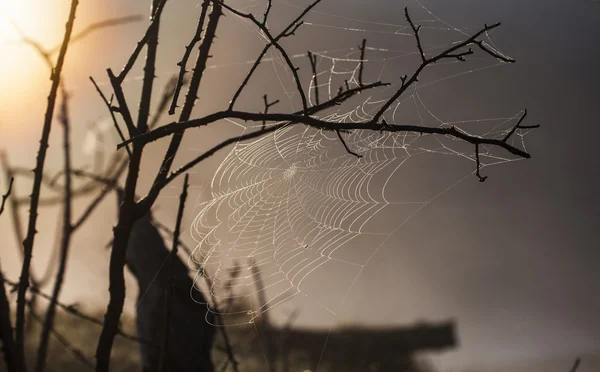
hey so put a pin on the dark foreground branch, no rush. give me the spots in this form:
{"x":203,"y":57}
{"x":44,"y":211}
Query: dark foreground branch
{"x":11,"y":357}
{"x":38,"y":174}
{"x":317,"y":123}
{"x":164,"y":367}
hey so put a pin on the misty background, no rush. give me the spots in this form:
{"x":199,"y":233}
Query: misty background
{"x":514,"y":260}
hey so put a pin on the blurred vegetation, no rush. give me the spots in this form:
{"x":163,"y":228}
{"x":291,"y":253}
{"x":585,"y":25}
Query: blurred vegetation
{"x":247,"y":341}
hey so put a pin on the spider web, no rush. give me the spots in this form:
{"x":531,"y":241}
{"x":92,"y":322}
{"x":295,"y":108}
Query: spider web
{"x":294,"y":217}
{"x":294,"y":205}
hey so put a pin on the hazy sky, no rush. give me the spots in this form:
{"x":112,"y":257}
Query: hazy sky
{"x":513,"y":260}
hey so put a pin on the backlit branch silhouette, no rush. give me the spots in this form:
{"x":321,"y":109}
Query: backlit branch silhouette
{"x":36,"y":189}
{"x":132,"y":209}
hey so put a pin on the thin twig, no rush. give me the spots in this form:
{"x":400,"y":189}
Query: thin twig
{"x":362,"y":48}
{"x":313,"y":65}
{"x":186,"y":112}
{"x":339,"y":134}
{"x":18,"y":228}
{"x":448,"y":53}
{"x":171,"y":233}
{"x":123,"y":108}
{"x":67,"y":230}
{"x":77,"y":353}
{"x":274,"y":42}
{"x":7,"y":194}
{"x":268,"y":106}
{"x":73,"y":311}
{"x":263,"y":309}
{"x":112,"y":113}
{"x":222,"y":327}
{"x":149,"y":70}
{"x":147,"y":35}
{"x":11,"y":357}
{"x":91,"y":28}
{"x":478,"y":164}
{"x":519,"y":126}
{"x":576,"y":365}
{"x":186,"y":55}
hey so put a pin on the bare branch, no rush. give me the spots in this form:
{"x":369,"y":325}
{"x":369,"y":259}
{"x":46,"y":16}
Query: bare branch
{"x":128,"y":213}
{"x":186,"y":55}
{"x":89,"y":29}
{"x":313,"y":64}
{"x":170,"y":288}
{"x":215,"y":308}
{"x":362,"y":49}
{"x":268,"y":106}
{"x":114,"y":173}
{"x":167,"y":94}
{"x":72,"y":310}
{"x":11,"y":357}
{"x":519,"y":126}
{"x":575,"y":365}
{"x":67,"y":231}
{"x":112,"y":113}
{"x":122,"y":109}
{"x":339,"y":134}
{"x":415,"y":30}
{"x":186,"y":112}
{"x":6,"y":194}
{"x":230,"y":141}
{"x":263,"y":309}
{"x":267,"y":10}
{"x":77,"y":353}
{"x":341,"y":97}
{"x":274,"y":41}
{"x":9,"y":173}
{"x":478,"y":169}
{"x":317,"y":123}
{"x":149,"y":70}
{"x":35,"y":193}
{"x":448,"y":53}
{"x":147,"y":36}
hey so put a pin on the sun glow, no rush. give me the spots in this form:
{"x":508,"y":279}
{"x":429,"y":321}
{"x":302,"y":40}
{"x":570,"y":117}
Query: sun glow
{"x":23,"y":74}
{"x":35,"y":18}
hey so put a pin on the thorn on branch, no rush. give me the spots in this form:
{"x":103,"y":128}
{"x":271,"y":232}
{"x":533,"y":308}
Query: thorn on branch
{"x":186,"y":55}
